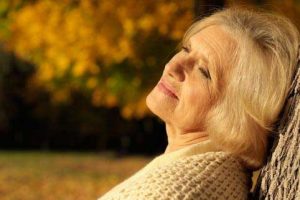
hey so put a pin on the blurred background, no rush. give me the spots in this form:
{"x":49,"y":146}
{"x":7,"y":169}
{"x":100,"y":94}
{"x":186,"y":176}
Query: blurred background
{"x":74,"y":75}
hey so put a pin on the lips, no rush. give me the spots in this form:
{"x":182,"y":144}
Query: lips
{"x":167,"y":89}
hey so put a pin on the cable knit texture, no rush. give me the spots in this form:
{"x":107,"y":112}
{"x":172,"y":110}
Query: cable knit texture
{"x":186,"y":175}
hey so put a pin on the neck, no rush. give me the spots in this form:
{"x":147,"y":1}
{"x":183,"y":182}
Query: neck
{"x":178,"y":139}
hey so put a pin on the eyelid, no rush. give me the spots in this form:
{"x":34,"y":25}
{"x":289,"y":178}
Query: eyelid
{"x":185,"y":49}
{"x":205,"y":72}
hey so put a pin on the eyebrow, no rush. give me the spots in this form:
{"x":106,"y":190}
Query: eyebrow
{"x":209,"y":64}
{"x":189,"y":46}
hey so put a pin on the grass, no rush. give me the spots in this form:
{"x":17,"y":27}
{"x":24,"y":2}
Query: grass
{"x":62,"y":176}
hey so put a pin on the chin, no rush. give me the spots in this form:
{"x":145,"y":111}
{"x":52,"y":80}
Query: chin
{"x":152,"y":104}
{"x":159,"y":105}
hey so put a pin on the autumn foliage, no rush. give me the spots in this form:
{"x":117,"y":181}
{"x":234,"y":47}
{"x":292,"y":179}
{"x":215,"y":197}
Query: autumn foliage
{"x":112,"y":51}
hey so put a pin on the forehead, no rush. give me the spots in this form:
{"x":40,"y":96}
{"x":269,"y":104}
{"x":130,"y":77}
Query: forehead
{"x":218,"y":48}
{"x":213,"y":42}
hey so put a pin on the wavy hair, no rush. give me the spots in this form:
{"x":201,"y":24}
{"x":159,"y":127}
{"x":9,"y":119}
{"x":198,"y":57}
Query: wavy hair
{"x":262,"y":66}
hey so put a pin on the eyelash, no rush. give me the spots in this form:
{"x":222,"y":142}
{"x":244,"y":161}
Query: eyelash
{"x":205,"y":72}
{"x":185,"y":49}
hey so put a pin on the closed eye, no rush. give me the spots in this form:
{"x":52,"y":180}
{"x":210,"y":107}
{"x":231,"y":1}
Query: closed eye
{"x":205,"y":72}
{"x":185,"y":49}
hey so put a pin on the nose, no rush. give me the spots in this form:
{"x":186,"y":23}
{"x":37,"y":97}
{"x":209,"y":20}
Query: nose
{"x":175,"y":72}
{"x":176,"y":69}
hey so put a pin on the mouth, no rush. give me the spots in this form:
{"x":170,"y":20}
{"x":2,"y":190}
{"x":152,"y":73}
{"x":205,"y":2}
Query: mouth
{"x":166,"y":89}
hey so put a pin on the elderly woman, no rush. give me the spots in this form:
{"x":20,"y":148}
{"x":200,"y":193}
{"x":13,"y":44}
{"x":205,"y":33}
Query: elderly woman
{"x":219,"y":97}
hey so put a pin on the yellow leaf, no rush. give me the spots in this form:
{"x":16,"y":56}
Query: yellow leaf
{"x":45,"y":72}
{"x":91,"y":83}
{"x":146,"y":23}
{"x":127,"y":112}
{"x":97,"y":97}
{"x":79,"y":69}
{"x":60,"y":96}
{"x":128,"y":27}
{"x":111,"y":100}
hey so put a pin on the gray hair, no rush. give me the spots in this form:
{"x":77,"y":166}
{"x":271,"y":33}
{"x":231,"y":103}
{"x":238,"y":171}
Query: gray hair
{"x":263,"y":63}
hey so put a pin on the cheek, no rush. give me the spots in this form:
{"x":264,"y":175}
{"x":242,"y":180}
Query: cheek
{"x":198,"y":98}
{"x":195,"y":106}
{"x":199,"y":106}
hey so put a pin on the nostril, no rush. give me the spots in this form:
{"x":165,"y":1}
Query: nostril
{"x":170,"y":74}
{"x":176,"y":72}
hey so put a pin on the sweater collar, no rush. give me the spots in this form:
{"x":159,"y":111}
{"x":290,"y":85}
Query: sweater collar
{"x":195,"y":149}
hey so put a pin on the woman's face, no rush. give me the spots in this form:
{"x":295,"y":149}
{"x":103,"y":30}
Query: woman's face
{"x":182,"y":96}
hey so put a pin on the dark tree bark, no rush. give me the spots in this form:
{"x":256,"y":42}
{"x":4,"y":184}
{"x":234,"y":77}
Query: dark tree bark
{"x":279,"y":178}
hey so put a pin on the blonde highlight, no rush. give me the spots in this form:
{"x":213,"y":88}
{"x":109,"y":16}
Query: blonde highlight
{"x":263,"y":63}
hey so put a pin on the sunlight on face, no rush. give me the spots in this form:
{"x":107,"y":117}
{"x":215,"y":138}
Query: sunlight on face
{"x":182,"y":96}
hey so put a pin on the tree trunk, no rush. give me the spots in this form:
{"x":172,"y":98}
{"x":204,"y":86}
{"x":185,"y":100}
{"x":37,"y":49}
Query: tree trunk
{"x":279,"y":178}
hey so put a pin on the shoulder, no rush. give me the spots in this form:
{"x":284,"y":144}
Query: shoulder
{"x":212,"y":175}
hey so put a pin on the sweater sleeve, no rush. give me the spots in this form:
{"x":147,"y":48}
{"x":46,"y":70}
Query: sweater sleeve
{"x":206,"y":176}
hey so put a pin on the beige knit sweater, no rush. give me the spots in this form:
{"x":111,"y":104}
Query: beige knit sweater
{"x":195,"y":172}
